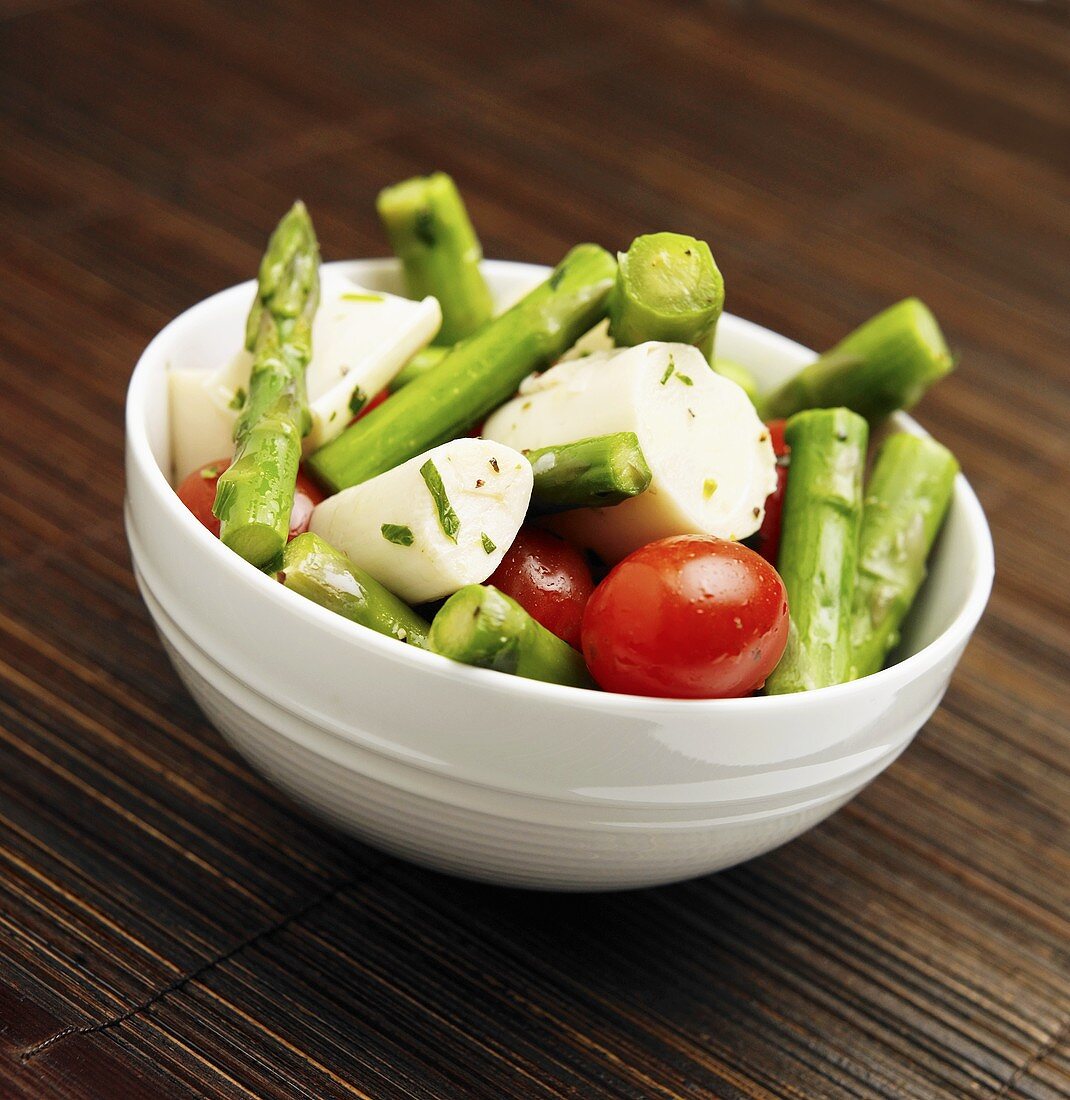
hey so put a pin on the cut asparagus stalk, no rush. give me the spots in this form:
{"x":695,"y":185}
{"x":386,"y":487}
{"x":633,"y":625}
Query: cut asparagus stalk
{"x":668,"y":288}
{"x":442,"y":520}
{"x":430,"y":357}
{"x":360,"y":339}
{"x":479,"y":625}
{"x":711,"y":459}
{"x":736,"y":372}
{"x":819,"y":547}
{"x":478,"y":374}
{"x":886,"y":364}
{"x":255,"y":495}
{"x":591,"y":473}
{"x":430,"y":231}
{"x":313,"y":568}
{"x":418,"y":365}
{"x":905,"y":503}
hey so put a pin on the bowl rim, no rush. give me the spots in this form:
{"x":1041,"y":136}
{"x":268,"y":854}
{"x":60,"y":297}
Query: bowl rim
{"x":140,"y":453}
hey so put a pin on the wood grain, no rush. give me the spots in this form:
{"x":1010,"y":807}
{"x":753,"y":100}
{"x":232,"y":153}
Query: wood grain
{"x":170,"y":926}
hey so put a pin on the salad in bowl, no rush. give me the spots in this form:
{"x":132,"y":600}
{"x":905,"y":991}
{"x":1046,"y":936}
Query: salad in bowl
{"x":569,"y":486}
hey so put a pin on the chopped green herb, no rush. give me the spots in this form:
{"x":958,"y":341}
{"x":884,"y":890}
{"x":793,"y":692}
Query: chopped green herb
{"x":668,"y":372}
{"x":683,"y":378}
{"x":357,"y":400}
{"x":447,"y":517}
{"x":709,"y":487}
{"x":488,"y":543}
{"x":210,"y":472}
{"x":397,"y":533}
{"x":355,"y":297}
{"x":238,"y":399}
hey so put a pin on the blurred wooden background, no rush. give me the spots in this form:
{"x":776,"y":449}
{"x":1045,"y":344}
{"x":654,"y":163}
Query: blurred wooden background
{"x":169,"y":925}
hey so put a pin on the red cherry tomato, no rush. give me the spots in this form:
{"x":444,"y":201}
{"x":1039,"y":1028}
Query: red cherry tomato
{"x":197,"y":493}
{"x":688,"y":617}
{"x":776,"y":437}
{"x":549,"y":578}
{"x":766,"y":540}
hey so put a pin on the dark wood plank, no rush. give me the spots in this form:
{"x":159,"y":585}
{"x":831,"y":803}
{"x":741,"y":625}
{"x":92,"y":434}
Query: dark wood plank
{"x":170,"y":925}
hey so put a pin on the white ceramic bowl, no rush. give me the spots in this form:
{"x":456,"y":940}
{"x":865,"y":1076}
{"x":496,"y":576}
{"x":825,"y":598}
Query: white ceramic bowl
{"x":491,"y":776}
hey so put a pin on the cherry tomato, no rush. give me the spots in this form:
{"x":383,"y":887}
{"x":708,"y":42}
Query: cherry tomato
{"x":776,"y":437}
{"x":766,"y":540}
{"x":197,"y":493}
{"x":549,"y":578}
{"x":687,"y":617}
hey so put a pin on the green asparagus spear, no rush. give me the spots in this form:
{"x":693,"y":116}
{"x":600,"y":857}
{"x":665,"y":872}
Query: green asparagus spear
{"x":478,"y":625}
{"x":429,"y":229}
{"x":478,"y":375}
{"x":736,"y":372}
{"x":314,"y":569}
{"x":592,"y":473}
{"x":419,"y":364}
{"x":255,"y":494}
{"x":819,"y":547}
{"x":668,"y":288}
{"x":905,"y":503}
{"x":885,"y":365}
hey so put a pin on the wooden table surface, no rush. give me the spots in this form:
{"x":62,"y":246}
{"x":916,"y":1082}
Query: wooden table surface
{"x":171,"y":926}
